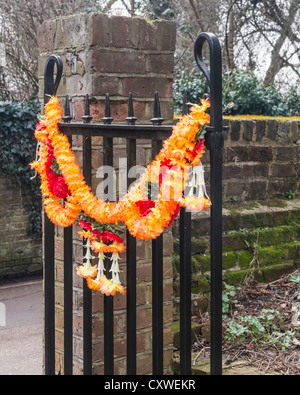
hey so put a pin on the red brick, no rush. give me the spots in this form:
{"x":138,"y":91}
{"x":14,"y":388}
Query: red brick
{"x":144,"y":364}
{"x":46,"y":36}
{"x":285,"y":154}
{"x":116,"y":62}
{"x":98,"y":351}
{"x":119,"y":31}
{"x":168,"y":245}
{"x":59,"y":340}
{"x":144,"y":272}
{"x":78,"y":110}
{"x":256,"y":189}
{"x":283,"y":170}
{"x":59,"y":295}
{"x":77,"y":325}
{"x":147,"y":86}
{"x":97,"y":110}
{"x":58,"y":363}
{"x":144,"y":318}
{"x":142,"y":294}
{"x":235,"y":189}
{"x":165,"y":36}
{"x":102,"y":85}
{"x":120,"y":347}
{"x":161,"y":63}
{"x":98,"y":370}
{"x":120,"y":302}
{"x":142,"y":34}
{"x":59,"y":319}
{"x":98,"y":30}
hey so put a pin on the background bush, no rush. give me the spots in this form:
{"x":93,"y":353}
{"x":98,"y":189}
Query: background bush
{"x":18,"y":149}
{"x":243,"y":94}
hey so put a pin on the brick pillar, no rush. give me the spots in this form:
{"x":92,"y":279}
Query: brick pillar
{"x":114,"y":55}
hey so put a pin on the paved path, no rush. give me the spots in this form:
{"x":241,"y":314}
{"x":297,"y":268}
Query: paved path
{"x":21,"y":327}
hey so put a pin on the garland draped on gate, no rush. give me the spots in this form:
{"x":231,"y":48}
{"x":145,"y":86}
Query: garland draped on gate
{"x":67,"y":196}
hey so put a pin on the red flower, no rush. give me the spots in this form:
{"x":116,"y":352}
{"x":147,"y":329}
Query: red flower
{"x":40,"y":126}
{"x":164,"y":166}
{"x":96,"y":233}
{"x":56,"y":182}
{"x":198,"y":147}
{"x":145,"y":206}
{"x":174,"y":216}
{"x":113,"y":237}
{"x":85,"y":225}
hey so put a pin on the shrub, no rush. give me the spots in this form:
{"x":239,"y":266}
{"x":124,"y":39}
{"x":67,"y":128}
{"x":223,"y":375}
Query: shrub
{"x":18,"y":149}
{"x":243,"y":94}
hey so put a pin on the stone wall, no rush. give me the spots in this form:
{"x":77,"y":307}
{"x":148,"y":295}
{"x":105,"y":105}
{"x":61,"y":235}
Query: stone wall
{"x":20,"y":254}
{"x":114,"y":55}
{"x":261,"y":158}
{"x":261,"y":234}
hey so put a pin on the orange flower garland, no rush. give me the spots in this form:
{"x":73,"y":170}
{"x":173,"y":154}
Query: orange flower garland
{"x":145,"y":218}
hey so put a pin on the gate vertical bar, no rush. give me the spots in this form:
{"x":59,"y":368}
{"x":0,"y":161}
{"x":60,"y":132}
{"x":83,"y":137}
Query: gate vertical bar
{"x":50,"y":88}
{"x":131,"y":257}
{"x":214,"y":142}
{"x":157,"y":270}
{"x":68,"y":301}
{"x":68,"y":280}
{"x":49,"y":285}
{"x":108,"y":300}
{"x":185,"y":283}
{"x":131,"y":276}
{"x":87,"y":292}
{"x":157,"y":292}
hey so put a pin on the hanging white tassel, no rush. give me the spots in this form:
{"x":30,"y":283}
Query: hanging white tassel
{"x":88,"y":256}
{"x":115,"y":270}
{"x":197,"y":181}
{"x":101,"y":268}
{"x":37,"y":158}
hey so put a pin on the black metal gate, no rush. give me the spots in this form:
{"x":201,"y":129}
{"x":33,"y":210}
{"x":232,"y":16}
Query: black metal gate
{"x":156,"y":133}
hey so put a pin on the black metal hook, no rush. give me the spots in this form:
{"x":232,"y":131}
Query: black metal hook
{"x":214,"y":78}
{"x":50,"y":86}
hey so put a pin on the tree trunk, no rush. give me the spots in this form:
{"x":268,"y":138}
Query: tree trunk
{"x":230,"y":36}
{"x":277,"y":62}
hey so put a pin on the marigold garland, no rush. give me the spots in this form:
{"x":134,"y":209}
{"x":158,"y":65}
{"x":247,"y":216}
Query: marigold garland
{"x":66,"y":195}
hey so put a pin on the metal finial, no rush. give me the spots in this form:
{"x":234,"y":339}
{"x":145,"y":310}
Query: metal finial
{"x":87,"y":117}
{"x":67,"y":118}
{"x":157,"y":119}
{"x":131,"y":119}
{"x":107,"y":118}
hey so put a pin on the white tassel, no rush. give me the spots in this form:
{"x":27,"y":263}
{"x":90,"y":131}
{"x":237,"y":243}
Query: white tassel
{"x":198,"y":182}
{"x":37,"y":158}
{"x":115,"y":268}
{"x":88,"y":256}
{"x":101,"y":268}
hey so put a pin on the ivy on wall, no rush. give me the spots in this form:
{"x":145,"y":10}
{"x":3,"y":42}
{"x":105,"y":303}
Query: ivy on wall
{"x":17,"y":150}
